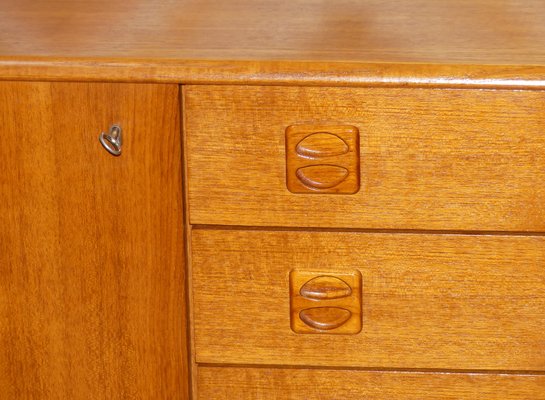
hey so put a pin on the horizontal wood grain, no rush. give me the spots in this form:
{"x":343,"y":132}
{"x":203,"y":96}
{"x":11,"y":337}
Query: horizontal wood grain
{"x":303,"y":384}
{"x":430,"y":158}
{"x":306,"y":73}
{"x":449,"y":42}
{"x":92,"y":296}
{"x":459,"y":31}
{"x":428,"y":301}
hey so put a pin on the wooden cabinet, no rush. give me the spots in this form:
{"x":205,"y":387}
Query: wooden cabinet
{"x":313,"y":200}
{"x":92,"y":299}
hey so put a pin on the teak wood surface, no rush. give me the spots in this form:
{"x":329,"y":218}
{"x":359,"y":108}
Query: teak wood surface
{"x":432,"y":159}
{"x":92,"y":263}
{"x":91,"y":246}
{"x":464,"y":302}
{"x":304,"y":384}
{"x":344,"y":42}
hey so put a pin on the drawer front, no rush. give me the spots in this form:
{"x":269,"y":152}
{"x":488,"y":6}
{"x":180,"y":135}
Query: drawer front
{"x":426,"y":158}
{"x":303,"y":384}
{"x":465,"y":302}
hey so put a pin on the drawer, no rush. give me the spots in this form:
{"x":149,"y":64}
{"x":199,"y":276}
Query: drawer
{"x":303,"y":384}
{"x":432,"y":159}
{"x":463,"y":302}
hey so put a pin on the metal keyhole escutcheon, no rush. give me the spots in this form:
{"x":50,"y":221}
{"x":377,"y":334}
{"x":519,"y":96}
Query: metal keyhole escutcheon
{"x":112,"y":141}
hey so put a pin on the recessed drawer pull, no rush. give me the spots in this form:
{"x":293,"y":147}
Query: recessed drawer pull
{"x":325,"y":303}
{"x":322,"y":176}
{"x":325,"y":287}
{"x":112,"y":141}
{"x":325,"y":318}
{"x":322,"y":159}
{"x":322,"y":144}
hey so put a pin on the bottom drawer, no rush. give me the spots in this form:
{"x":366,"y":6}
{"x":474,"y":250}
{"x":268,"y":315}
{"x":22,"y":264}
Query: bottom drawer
{"x":454,"y":302}
{"x":218,"y":383}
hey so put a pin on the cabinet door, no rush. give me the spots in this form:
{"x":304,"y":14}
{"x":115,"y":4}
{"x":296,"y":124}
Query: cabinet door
{"x":91,"y":245}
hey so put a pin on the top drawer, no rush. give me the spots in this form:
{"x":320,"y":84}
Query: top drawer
{"x":428,"y":158}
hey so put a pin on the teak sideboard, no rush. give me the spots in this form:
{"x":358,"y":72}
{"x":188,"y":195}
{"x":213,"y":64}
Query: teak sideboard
{"x":257,"y":200}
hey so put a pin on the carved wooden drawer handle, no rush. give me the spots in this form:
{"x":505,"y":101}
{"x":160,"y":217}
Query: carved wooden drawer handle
{"x":325,"y":318}
{"x":325,"y":302}
{"x":322,"y":159}
{"x":325,"y":287}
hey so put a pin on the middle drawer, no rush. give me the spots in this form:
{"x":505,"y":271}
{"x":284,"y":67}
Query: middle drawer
{"x":427,"y":301}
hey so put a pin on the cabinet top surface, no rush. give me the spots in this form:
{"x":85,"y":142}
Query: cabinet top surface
{"x":416,"y":37}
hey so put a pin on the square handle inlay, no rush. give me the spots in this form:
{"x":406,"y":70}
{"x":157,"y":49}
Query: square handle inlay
{"x":322,"y":159}
{"x":325,"y":302}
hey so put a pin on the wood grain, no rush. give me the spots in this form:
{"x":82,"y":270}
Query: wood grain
{"x":428,"y":301}
{"x":459,"y":31}
{"x":449,"y":42}
{"x":430,"y":158}
{"x":304,"y":384}
{"x":91,"y":246}
{"x":296,"y":73}
{"x":188,"y":230}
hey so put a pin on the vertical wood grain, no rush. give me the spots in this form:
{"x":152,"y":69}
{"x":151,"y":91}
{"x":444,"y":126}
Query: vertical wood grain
{"x":91,"y":246}
{"x":194,"y":370}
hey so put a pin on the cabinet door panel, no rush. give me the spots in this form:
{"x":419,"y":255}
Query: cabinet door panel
{"x":91,"y":245}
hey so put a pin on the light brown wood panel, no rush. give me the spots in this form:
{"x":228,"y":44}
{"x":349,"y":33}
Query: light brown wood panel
{"x":271,"y":72}
{"x":304,"y":384}
{"x":429,"y":158}
{"x":428,"y":301}
{"x":91,"y":246}
{"x":347,"y":39}
{"x":450,"y":31}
